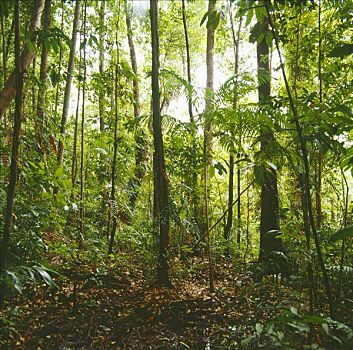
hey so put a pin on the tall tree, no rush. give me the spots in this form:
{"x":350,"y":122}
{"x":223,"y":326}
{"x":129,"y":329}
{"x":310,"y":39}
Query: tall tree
{"x":8,"y":92}
{"x":141,"y":145}
{"x":161,"y":209}
{"x":42,"y":78}
{"x":116,"y":116}
{"x":193,"y":126}
{"x":229,"y":225}
{"x":101,"y":62}
{"x":10,"y":196}
{"x":269,"y":192}
{"x":211,"y":25}
{"x":70,"y":69}
{"x":82,"y":179}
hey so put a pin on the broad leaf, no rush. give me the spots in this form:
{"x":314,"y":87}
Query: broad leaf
{"x":342,"y":51}
{"x":344,"y":233}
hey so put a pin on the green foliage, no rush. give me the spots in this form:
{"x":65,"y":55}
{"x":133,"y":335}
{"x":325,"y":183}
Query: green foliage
{"x":289,"y":329}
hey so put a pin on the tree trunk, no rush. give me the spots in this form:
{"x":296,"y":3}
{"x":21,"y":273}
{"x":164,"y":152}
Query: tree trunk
{"x":116,"y":106}
{"x":193,"y":126}
{"x":320,"y":156}
{"x":8,"y":92}
{"x":306,"y":175}
{"x":82,"y":178}
{"x":140,"y":138}
{"x":18,"y":74}
{"x":269,"y":192}
{"x":70,"y":69}
{"x":101,"y":63}
{"x":161,"y":205}
{"x":42,"y":79}
{"x":229,"y":225}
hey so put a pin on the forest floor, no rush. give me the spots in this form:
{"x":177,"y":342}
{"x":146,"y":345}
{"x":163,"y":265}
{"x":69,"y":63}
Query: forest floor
{"x":120,"y":310}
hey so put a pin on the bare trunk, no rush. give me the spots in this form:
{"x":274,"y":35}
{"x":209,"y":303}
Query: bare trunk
{"x":101,"y":63}
{"x":140,"y":138}
{"x":82,"y":178}
{"x":18,"y":74}
{"x":161,"y":205}
{"x":229,"y":225}
{"x":42,"y":79}
{"x":70,"y":69}
{"x":193,"y":126}
{"x":116,"y":115}
{"x":306,"y":177}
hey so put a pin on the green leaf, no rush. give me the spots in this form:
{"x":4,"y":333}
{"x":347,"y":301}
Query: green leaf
{"x":294,"y":310}
{"x":259,"y":174}
{"x":315,"y":319}
{"x":344,"y":233}
{"x":342,"y":108}
{"x":16,"y":281}
{"x":259,"y":328}
{"x":45,"y":275}
{"x":341,"y":51}
{"x":204,"y":18}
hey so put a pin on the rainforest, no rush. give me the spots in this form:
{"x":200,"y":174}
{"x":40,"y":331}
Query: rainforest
{"x":176,"y":174}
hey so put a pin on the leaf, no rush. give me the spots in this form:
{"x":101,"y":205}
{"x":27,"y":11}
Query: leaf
{"x":259,"y":328}
{"x":294,"y":310}
{"x":16,"y":281}
{"x":344,"y":233}
{"x":259,"y":175}
{"x":204,"y":18}
{"x":45,"y":275}
{"x":341,"y":51}
{"x":247,"y":340}
{"x":314,"y":319}
{"x":342,"y":108}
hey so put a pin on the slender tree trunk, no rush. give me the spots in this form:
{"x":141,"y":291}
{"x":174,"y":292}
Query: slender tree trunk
{"x":140,"y":138}
{"x":8,"y":92}
{"x":82,"y":177}
{"x":207,"y":143}
{"x":101,"y":63}
{"x":10,"y":196}
{"x":161,"y":205}
{"x":193,"y":126}
{"x":306,"y":177}
{"x":3,"y":44}
{"x":320,"y":160}
{"x":229,"y":225}
{"x":42,"y":79}
{"x":34,"y":92}
{"x":116,"y":115}
{"x":70,"y":69}
{"x":269,"y":193}
{"x":57,"y":93}
{"x":74,"y":148}
{"x":310,"y":270}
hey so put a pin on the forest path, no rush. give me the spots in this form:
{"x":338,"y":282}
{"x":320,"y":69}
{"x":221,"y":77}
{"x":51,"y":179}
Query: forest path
{"x":119,"y":311}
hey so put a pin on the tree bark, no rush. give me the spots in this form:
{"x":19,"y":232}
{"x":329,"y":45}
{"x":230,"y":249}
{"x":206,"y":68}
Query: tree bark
{"x":306,"y":174}
{"x":161,"y":205}
{"x":140,"y":138}
{"x":42,"y":79}
{"x":101,"y":63}
{"x":269,"y":193}
{"x":116,"y":115}
{"x":8,"y":92}
{"x":70,"y":69}
{"x":193,"y":126}
{"x":18,"y":74}
{"x":82,"y":178}
{"x":229,"y":225}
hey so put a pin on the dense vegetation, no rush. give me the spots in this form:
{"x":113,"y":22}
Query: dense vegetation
{"x":176,"y":174}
